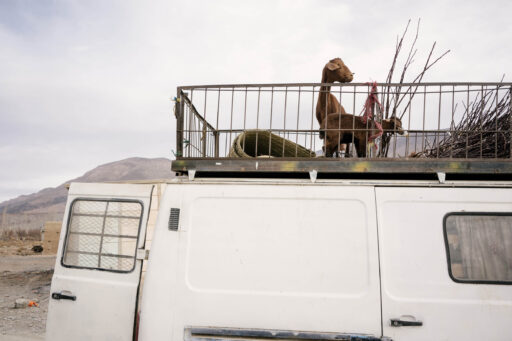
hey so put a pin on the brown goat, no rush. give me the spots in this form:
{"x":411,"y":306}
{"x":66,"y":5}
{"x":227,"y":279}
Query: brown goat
{"x":334,"y":71}
{"x":342,"y":128}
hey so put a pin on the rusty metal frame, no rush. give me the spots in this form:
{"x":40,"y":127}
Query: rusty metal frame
{"x":346,"y":166}
{"x":225,"y":334}
{"x":210,"y":86}
{"x":209,"y":159}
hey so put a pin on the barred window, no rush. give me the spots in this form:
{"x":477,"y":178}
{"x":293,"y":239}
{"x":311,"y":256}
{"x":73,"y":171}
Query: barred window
{"x":103,"y":234}
{"x":479,"y":247}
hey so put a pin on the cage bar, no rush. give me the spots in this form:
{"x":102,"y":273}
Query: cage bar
{"x":442,"y":122}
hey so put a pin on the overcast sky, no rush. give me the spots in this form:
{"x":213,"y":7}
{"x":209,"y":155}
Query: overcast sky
{"x":83,"y":83}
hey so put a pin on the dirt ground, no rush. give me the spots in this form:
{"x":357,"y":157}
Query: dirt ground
{"x":23,"y":274}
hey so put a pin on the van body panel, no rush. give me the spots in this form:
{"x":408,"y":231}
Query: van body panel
{"x":265,"y":256}
{"x":271,"y":258}
{"x":104,"y":301}
{"x":414,"y":266}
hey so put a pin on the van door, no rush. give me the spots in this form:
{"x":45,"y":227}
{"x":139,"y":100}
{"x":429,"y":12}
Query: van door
{"x":446,"y":263}
{"x":262,"y":261}
{"x":95,"y":283}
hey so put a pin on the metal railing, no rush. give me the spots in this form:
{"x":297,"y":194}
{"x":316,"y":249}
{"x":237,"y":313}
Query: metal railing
{"x":442,"y":120}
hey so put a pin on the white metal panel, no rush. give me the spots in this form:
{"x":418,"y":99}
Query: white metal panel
{"x":105,"y":301}
{"x":264,"y":256}
{"x":278,"y":246}
{"x":414,"y":268}
{"x":109,"y":190}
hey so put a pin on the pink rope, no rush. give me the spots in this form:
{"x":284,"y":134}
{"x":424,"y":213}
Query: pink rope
{"x":368,"y":111}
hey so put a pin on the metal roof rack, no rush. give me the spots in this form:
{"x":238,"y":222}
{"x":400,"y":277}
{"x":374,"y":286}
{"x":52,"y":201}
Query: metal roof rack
{"x":453,"y":128}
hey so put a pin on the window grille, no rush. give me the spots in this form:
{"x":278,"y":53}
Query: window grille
{"x":103,"y":234}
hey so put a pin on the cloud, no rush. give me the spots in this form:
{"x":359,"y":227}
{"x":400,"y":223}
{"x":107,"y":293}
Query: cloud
{"x":90,"y":82}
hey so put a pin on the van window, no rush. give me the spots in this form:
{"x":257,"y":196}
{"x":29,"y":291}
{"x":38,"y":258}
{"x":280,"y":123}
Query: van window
{"x":102,"y":234}
{"x":479,"y":247}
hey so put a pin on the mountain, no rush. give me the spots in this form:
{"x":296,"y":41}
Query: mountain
{"x":49,"y":203}
{"x":414,"y":142}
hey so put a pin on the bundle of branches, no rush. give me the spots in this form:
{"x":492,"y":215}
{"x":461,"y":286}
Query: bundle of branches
{"x":393,"y":97}
{"x":483,"y":132}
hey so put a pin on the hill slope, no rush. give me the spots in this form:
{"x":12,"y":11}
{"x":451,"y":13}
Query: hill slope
{"x":53,"y":200}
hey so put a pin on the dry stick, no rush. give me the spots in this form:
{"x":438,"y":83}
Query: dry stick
{"x":312,"y":142}
{"x":407,"y":63}
{"x":417,"y":80}
{"x":397,"y":97}
{"x":482,"y":115}
{"x":386,"y":93}
{"x":393,"y":64}
{"x":496,"y":121}
{"x":452,"y":123}
{"x":509,"y":130}
{"x":467,"y":136}
{"x":419,"y":77}
{"x":394,"y":97}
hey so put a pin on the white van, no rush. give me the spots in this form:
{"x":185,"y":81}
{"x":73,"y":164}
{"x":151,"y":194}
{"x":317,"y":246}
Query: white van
{"x":263,"y":240}
{"x":284,"y":259}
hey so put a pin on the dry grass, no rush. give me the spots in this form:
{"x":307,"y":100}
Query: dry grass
{"x":25,"y":220}
{"x":20,"y":234}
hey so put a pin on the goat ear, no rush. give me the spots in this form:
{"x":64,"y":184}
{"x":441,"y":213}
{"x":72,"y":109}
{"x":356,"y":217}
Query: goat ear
{"x":332,"y":66}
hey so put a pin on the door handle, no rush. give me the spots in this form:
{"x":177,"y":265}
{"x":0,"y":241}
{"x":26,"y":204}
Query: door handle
{"x":61,"y":296}
{"x":410,"y":321}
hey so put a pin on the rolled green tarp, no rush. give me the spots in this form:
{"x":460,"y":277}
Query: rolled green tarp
{"x":261,"y":143}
